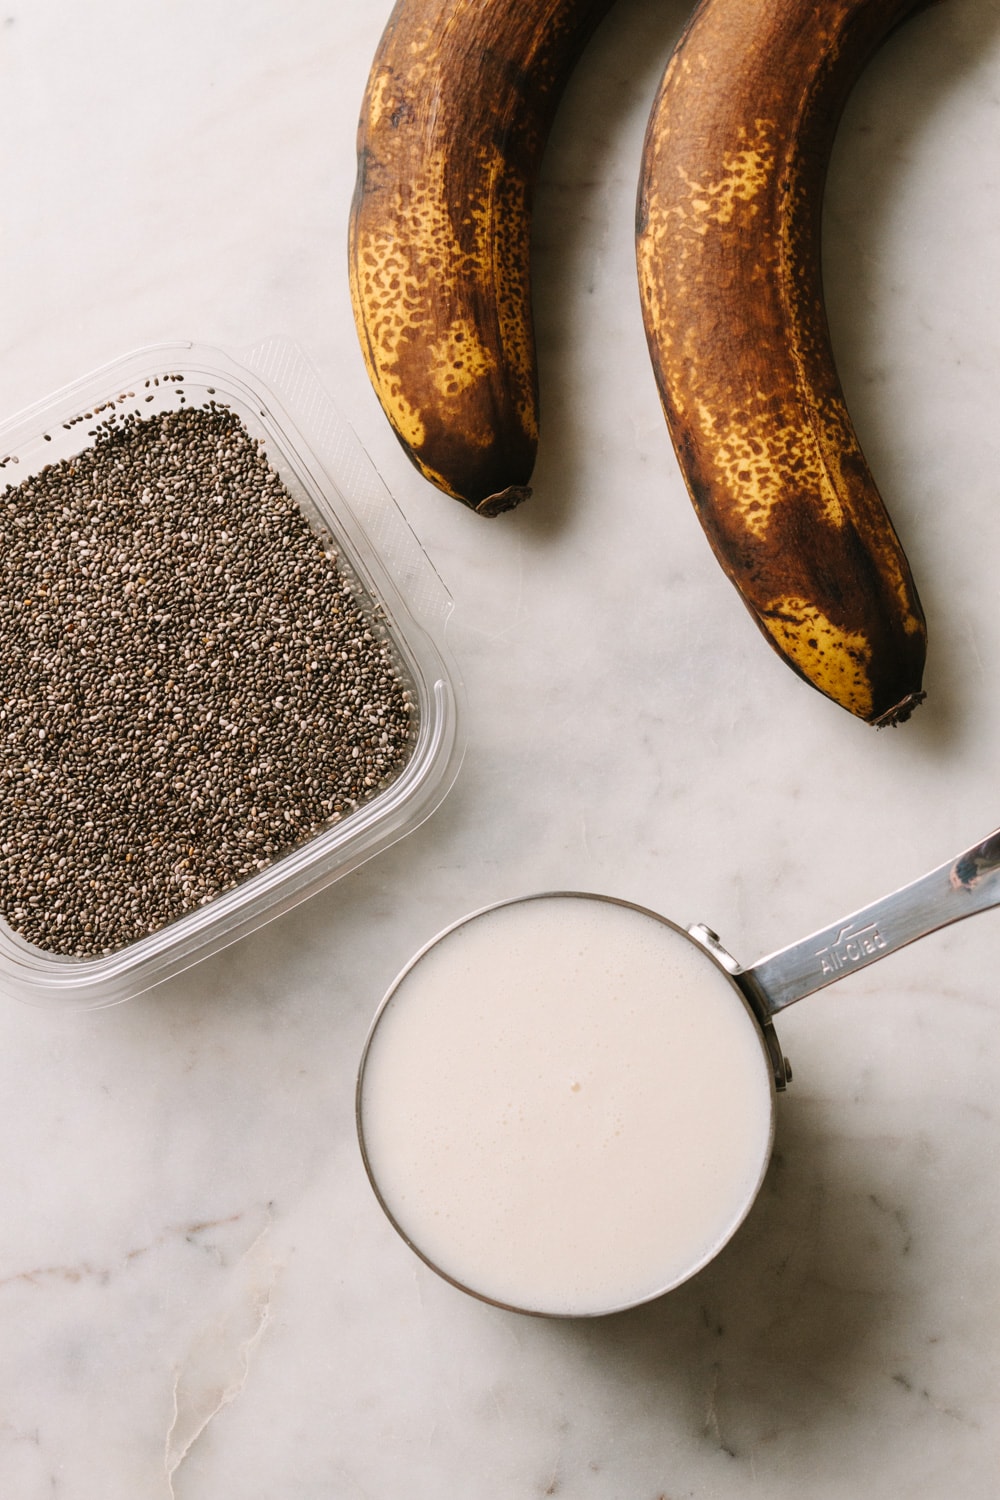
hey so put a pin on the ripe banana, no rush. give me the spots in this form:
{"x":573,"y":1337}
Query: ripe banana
{"x":728,"y":250}
{"x":455,"y":117}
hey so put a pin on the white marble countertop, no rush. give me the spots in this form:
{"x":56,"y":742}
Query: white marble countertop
{"x":199,"y":1296}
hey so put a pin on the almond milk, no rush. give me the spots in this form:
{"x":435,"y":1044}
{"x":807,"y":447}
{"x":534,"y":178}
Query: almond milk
{"x":565,"y":1106}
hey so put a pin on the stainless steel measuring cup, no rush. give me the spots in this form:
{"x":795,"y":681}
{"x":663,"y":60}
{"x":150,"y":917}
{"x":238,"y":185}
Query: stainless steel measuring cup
{"x":443,"y":1080}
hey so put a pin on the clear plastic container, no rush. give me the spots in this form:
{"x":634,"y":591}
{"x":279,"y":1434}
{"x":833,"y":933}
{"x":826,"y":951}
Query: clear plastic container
{"x":275,"y":394}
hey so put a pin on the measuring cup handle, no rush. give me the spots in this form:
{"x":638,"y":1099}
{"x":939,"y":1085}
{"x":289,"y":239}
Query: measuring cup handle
{"x":965,"y":885}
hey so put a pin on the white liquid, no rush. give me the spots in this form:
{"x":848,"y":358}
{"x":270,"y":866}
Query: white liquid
{"x":565,"y":1106}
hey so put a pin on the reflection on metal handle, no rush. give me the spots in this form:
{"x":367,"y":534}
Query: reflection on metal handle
{"x":960,"y":888}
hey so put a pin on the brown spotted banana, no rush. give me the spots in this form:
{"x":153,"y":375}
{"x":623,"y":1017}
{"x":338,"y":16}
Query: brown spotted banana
{"x":456,"y":114}
{"x":728,"y":247}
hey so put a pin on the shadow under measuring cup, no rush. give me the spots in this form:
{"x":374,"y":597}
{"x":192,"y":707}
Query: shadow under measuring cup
{"x":566,"y":1102}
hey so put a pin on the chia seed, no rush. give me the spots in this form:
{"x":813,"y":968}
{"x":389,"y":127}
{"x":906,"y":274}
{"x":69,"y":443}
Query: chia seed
{"x":191,"y":684}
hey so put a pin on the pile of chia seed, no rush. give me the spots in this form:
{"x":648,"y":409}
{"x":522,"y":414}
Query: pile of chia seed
{"x":190,"y":685}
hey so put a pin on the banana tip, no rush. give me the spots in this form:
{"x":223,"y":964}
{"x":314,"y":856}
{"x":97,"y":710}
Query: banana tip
{"x":900,"y":712}
{"x":495,"y":505}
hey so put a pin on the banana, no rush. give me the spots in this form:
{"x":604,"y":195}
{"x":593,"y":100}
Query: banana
{"x":728,"y":253}
{"x":455,"y":117}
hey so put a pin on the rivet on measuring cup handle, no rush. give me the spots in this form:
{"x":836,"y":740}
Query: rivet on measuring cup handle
{"x":709,"y":940}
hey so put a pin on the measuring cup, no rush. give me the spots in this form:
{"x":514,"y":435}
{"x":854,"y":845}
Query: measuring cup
{"x":566,"y":1102}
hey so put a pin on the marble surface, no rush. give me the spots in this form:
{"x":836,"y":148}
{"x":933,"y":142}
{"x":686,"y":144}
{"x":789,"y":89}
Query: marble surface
{"x":198,"y":1293}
